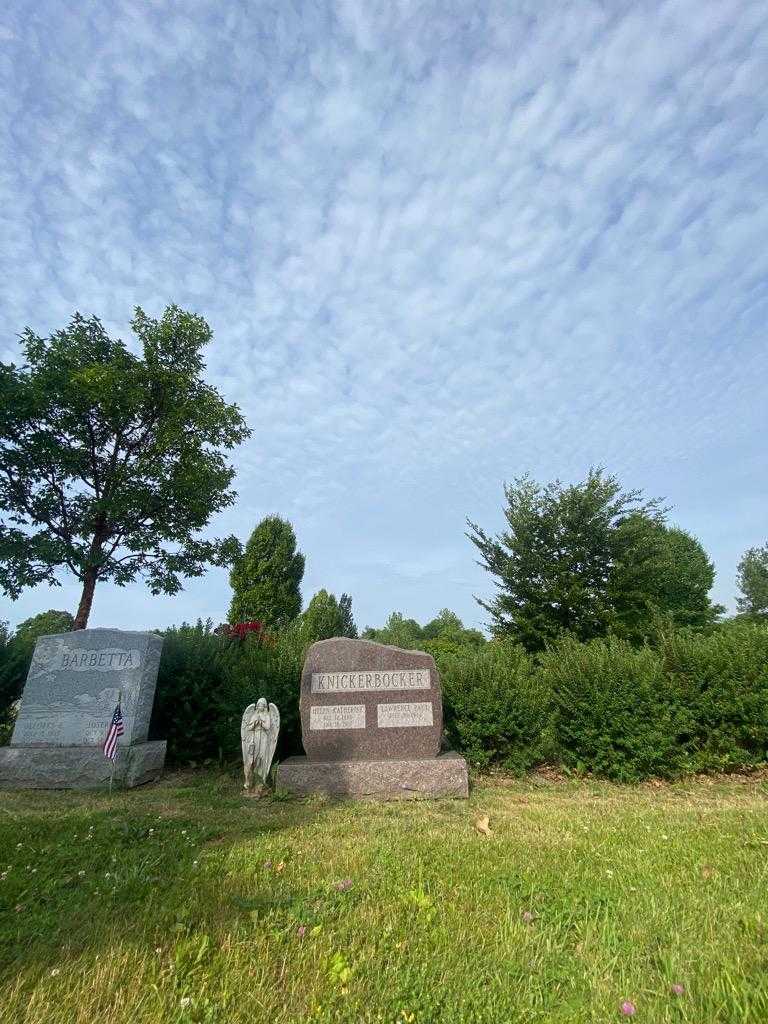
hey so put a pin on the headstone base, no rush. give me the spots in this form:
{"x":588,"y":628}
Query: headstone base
{"x":441,"y":776}
{"x":28,"y":767}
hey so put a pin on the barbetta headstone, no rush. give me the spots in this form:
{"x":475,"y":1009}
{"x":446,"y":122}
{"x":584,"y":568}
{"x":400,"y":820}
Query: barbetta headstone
{"x":72,"y":688}
{"x":372,"y":722}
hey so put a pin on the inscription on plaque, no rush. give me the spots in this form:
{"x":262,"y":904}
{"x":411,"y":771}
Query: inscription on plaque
{"x":362,"y":680}
{"x":395,"y":716}
{"x":337,"y":716}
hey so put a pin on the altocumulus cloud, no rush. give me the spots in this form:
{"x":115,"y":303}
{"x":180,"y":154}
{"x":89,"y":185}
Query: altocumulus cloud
{"x":440,"y":244}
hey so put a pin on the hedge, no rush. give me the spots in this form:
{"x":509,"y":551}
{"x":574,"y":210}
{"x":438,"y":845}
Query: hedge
{"x":689,"y":702}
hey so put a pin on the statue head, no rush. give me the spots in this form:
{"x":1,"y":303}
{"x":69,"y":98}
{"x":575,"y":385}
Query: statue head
{"x":261,"y":704}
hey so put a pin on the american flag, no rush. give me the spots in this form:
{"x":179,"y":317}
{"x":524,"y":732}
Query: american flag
{"x":115,"y":730}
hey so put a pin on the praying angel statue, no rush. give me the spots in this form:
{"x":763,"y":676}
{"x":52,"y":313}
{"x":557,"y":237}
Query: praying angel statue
{"x":258,"y":732}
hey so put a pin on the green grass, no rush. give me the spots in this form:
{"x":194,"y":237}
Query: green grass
{"x":188,"y":902}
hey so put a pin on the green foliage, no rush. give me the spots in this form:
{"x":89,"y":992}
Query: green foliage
{"x":348,"y":627}
{"x":689,"y":702}
{"x":14,"y":663}
{"x":267,"y":576}
{"x":398,"y":632}
{"x":723,"y":688}
{"x":590,"y":559}
{"x":497,"y":708}
{"x":111,"y":463}
{"x":44,"y":624}
{"x":658,"y":570}
{"x":616,"y":713}
{"x":205,"y":682}
{"x":324,"y":618}
{"x":445,"y":635}
{"x":752,"y":580}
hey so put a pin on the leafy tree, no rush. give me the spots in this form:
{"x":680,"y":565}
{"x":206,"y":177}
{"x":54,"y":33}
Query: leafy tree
{"x":110,"y":462}
{"x":659,"y":570}
{"x":752,"y":580}
{"x":554,"y":561}
{"x":445,"y":621}
{"x":444,"y":635}
{"x":348,"y":627}
{"x":44,"y":624}
{"x":323,"y":619}
{"x":447,"y":635}
{"x":267,"y":576}
{"x":398,"y":631}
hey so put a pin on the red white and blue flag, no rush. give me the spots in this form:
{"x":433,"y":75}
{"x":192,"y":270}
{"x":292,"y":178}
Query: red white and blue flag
{"x":115,"y":730}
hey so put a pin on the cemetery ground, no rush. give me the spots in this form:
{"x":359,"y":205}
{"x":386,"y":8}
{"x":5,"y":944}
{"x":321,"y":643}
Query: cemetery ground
{"x":189,"y":902}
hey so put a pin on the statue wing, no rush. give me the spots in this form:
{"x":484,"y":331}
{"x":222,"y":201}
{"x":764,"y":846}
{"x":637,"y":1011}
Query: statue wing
{"x":243,"y":727}
{"x":274,"y":729}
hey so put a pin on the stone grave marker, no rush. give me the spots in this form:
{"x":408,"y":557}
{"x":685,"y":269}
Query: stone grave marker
{"x":372,"y":722}
{"x":71,"y":691}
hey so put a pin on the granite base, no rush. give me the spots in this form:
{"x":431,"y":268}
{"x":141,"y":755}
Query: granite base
{"x":79,"y":767}
{"x":445,"y":775}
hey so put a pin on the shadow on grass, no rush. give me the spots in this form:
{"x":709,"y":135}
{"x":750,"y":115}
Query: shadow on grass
{"x":145,"y":867}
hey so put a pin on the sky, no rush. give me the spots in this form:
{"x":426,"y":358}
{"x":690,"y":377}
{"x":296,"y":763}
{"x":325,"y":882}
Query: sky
{"x":440,"y":245}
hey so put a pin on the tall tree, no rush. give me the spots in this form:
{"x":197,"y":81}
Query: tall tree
{"x":553,"y":563}
{"x":267,"y":576}
{"x":397,"y":631}
{"x":323,"y":619}
{"x":111,"y":463}
{"x":752,"y":580}
{"x":659,"y":569}
{"x":348,"y":627}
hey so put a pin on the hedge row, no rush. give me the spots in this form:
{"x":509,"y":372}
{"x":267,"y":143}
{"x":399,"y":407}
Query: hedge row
{"x":689,"y":703}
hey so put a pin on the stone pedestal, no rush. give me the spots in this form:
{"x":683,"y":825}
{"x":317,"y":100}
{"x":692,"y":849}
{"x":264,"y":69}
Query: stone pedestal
{"x":79,"y":767}
{"x":443,"y":776}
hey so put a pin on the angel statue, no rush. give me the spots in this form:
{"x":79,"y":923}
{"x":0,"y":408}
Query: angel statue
{"x":259,"y":729}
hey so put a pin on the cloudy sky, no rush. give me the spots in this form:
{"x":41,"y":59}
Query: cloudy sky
{"x":440,"y":244}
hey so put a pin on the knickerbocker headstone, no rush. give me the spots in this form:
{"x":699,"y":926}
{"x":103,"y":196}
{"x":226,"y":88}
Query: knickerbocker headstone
{"x":371,"y":724}
{"x":73,"y":686}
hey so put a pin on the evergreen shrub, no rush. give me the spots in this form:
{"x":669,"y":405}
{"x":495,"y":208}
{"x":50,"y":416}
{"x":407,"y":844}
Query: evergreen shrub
{"x":497,"y":707}
{"x":204,"y":684}
{"x":722,"y":681}
{"x":616,"y":713}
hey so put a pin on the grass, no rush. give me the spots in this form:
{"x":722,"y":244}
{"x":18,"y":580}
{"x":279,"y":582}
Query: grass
{"x":188,"y":902}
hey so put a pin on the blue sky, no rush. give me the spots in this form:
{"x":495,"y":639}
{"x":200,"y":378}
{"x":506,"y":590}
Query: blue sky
{"x":440,"y":245}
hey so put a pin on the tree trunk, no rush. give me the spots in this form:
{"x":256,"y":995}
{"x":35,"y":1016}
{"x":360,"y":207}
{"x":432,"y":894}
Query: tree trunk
{"x":86,"y":599}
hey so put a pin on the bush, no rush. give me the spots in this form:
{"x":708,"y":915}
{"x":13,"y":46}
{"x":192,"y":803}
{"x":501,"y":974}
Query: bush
{"x":691,"y":702}
{"x":723,"y":684}
{"x":497,"y":707}
{"x":204,"y":684}
{"x":616,"y":713}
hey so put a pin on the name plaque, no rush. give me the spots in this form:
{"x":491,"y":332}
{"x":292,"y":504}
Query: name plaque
{"x":364,"y":680}
{"x":337,"y":716}
{"x":394,"y":716}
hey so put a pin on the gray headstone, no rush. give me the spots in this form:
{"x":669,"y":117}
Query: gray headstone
{"x":74,"y":682}
{"x":369,"y":702}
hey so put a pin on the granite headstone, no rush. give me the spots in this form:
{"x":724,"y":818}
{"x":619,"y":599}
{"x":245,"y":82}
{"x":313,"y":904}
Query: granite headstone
{"x":365,"y":701}
{"x":372,"y":722}
{"x":72,"y":689}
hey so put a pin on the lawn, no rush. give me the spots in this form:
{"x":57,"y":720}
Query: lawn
{"x":187,"y":901}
